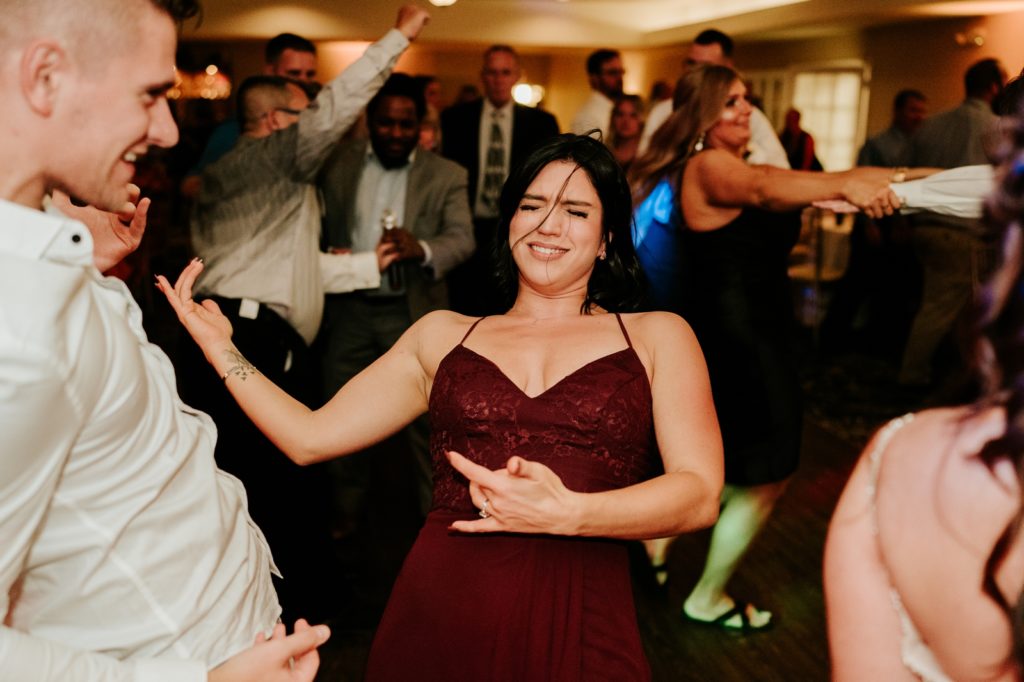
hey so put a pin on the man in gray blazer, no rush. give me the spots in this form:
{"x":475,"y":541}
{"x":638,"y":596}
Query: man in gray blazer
{"x":388,"y":189}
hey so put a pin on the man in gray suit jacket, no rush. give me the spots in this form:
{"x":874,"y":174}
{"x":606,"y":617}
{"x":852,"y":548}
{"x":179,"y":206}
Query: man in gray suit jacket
{"x":388,"y":189}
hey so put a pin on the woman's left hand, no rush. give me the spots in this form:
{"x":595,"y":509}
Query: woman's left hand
{"x":524,"y":497}
{"x":203,"y":321}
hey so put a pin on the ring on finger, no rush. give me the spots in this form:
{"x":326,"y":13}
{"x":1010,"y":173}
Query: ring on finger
{"x":484,"y":514}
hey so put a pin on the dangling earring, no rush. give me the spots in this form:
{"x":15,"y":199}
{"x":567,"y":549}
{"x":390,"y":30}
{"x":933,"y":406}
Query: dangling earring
{"x":699,"y":144}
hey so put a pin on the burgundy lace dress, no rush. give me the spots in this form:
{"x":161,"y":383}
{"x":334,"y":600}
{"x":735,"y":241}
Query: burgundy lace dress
{"x":523,"y":608}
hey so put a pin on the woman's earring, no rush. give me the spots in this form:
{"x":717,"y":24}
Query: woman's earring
{"x":602,"y":255}
{"x":699,"y":144}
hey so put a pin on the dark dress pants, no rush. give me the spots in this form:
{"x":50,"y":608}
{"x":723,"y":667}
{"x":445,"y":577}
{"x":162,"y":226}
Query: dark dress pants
{"x":288,"y":502}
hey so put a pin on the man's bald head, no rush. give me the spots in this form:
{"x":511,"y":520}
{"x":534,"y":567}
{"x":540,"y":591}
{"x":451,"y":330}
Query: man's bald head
{"x":260,"y":97}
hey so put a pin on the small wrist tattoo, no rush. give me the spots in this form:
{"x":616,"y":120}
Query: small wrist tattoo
{"x":242,"y":367}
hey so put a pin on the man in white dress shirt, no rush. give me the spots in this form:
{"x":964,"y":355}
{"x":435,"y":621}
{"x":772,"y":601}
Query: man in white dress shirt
{"x":714,"y":47}
{"x":604,"y":72}
{"x":125,"y":554}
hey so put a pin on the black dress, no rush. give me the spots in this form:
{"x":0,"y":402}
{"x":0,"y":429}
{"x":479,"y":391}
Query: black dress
{"x":737,"y":298}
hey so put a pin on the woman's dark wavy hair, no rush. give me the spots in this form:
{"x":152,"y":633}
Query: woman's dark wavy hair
{"x":616,"y":284}
{"x":998,"y":344}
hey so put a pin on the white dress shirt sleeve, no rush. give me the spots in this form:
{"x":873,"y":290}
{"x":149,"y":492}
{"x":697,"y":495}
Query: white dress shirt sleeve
{"x":23,"y":657}
{"x":345,"y":272}
{"x":958,"y":192}
{"x":428,"y":254}
{"x":765,"y":148}
{"x":342,"y":101}
{"x":39,"y":420}
{"x":596,"y":112}
{"x":658,"y":114}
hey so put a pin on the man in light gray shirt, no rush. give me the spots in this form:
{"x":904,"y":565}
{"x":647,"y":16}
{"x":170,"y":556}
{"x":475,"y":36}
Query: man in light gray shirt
{"x":257,"y":227}
{"x":956,"y":254}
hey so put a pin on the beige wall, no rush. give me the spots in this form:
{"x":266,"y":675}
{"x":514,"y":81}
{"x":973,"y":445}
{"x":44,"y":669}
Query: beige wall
{"x":926,"y":56}
{"x":922,"y":54}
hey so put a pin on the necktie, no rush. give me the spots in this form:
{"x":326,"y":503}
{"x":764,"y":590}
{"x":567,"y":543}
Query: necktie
{"x":494,"y":169}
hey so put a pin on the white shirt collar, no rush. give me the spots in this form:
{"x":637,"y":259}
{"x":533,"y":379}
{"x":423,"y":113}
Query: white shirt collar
{"x":43,"y":235}
{"x":490,"y":109}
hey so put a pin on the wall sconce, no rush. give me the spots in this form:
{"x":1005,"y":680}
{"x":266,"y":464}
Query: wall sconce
{"x":974,"y":37}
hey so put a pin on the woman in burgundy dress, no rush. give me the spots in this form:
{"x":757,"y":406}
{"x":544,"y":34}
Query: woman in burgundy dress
{"x":546,"y":422}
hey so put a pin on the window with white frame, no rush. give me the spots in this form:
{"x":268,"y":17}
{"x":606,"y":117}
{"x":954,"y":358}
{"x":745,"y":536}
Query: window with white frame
{"x":832,"y":100}
{"x":832,"y":103}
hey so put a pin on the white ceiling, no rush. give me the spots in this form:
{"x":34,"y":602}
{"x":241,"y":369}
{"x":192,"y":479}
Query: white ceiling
{"x":574,"y":23}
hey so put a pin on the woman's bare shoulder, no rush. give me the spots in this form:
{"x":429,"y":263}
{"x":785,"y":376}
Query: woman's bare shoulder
{"x":942,"y":437}
{"x":662,"y":334}
{"x":934,"y":456}
{"x":654,"y":321}
{"x":437,"y":332}
{"x":656,"y":328}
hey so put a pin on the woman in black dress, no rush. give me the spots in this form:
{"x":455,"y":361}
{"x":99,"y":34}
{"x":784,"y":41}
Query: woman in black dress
{"x":737,"y":225}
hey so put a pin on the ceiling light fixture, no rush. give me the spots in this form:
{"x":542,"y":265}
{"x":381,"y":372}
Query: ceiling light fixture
{"x":442,"y":3}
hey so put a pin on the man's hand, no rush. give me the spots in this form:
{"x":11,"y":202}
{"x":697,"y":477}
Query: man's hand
{"x":868,"y":189}
{"x":387,"y":253}
{"x":411,"y":20}
{"x":407,"y":247}
{"x":114,"y":235}
{"x":281,"y":658}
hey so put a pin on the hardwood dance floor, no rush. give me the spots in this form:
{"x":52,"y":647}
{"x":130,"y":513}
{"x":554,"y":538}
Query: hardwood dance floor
{"x":847,"y":399}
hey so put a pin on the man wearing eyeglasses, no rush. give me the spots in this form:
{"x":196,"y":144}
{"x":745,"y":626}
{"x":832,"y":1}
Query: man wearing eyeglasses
{"x":256,"y":224}
{"x":605,"y":72}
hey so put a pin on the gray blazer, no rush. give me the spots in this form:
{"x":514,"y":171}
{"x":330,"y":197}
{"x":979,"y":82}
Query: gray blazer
{"x":436,"y":211}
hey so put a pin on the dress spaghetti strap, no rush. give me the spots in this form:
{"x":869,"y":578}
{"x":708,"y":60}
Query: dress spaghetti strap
{"x":471,"y":328}
{"x":917,"y":657}
{"x":622,"y":326}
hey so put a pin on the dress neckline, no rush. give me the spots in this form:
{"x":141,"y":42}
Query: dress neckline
{"x":558,"y":383}
{"x":578,"y":370}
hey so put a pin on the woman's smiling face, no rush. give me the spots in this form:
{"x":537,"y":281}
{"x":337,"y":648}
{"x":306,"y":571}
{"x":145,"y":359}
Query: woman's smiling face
{"x":557,"y":230}
{"x":732,"y":130}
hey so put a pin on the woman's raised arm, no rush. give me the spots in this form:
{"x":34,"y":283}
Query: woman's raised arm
{"x":378,"y":402}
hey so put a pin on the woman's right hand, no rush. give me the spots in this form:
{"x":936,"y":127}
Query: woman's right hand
{"x":868,"y":189}
{"x":205,"y":322}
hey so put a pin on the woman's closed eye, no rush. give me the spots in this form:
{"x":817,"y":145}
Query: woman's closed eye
{"x":578,"y":213}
